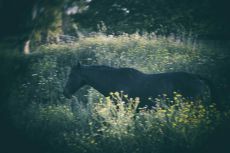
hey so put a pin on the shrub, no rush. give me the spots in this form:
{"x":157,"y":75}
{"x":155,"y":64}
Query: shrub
{"x":114,"y":125}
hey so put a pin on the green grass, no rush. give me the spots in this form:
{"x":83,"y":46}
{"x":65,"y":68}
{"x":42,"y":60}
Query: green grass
{"x":91,"y":123}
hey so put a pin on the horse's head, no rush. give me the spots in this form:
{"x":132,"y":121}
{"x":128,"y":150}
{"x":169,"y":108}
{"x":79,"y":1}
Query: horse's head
{"x":75,"y":81}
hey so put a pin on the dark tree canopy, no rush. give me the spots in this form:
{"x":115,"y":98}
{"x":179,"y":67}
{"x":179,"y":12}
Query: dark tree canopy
{"x":207,"y":18}
{"x":24,"y":16}
{"x":14,"y":16}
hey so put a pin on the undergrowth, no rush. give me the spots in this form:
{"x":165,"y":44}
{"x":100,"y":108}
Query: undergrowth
{"x":90,"y":122}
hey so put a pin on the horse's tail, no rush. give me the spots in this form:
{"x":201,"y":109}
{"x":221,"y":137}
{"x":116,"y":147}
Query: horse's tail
{"x":212,"y":88}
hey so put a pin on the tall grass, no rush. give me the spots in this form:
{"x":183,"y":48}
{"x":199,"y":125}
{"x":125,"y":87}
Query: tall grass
{"x":90,"y":122}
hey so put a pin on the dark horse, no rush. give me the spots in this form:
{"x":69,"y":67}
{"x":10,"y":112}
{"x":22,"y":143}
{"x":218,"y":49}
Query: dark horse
{"x":135,"y":83}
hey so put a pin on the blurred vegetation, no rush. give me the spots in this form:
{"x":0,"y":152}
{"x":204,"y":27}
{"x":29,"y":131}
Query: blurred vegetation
{"x":204,"y":18}
{"x":32,"y":103}
{"x":45,"y":21}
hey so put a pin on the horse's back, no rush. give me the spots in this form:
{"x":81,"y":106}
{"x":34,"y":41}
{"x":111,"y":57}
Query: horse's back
{"x":189,"y":85}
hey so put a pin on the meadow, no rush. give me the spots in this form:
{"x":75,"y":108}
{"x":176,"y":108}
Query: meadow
{"x":33,"y":102}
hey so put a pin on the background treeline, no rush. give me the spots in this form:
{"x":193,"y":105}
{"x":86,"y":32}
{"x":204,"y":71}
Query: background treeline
{"x":42,"y":21}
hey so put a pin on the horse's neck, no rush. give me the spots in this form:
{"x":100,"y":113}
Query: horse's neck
{"x":99,"y":80}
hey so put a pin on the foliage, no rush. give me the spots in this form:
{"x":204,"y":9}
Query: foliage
{"x":116,"y":127}
{"x":90,"y":122}
{"x":43,"y":21}
{"x":160,"y":16}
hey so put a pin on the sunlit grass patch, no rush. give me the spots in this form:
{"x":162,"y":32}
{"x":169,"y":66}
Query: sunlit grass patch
{"x":143,"y":52}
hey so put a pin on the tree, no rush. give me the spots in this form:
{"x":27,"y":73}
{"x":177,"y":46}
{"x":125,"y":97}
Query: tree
{"x":30,"y":19}
{"x":206,"y":18}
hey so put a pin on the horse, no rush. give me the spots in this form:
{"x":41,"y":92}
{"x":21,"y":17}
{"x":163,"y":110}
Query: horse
{"x":134,"y":83}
